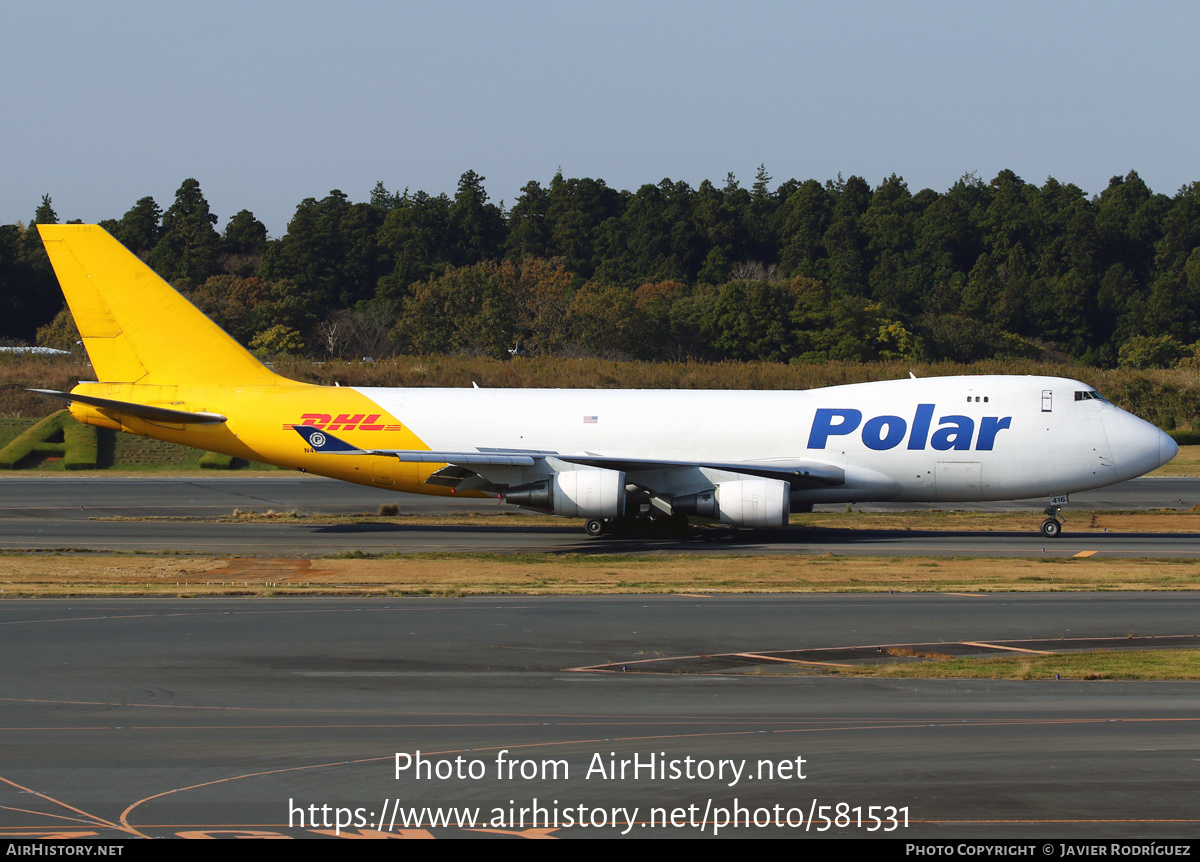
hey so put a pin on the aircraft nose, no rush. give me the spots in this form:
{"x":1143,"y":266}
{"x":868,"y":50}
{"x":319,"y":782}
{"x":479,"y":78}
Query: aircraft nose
{"x":1167,"y":448}
{"x":1137,"y":446}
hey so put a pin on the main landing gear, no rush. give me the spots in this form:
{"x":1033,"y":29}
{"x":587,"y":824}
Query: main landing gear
{"x":638,"y":526}
{"x":1052,"y":526}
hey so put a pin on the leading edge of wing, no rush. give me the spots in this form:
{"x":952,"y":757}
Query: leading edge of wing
{"x":789,"y":470}
{"x":325,"y":443}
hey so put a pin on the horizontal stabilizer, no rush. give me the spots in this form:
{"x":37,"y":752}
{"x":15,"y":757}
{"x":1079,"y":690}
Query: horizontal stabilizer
{"x":141,"y":411}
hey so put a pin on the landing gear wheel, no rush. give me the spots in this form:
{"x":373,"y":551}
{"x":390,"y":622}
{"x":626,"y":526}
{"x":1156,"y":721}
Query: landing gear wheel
{"x":1051,"y":528}
{"x":594,"y":527}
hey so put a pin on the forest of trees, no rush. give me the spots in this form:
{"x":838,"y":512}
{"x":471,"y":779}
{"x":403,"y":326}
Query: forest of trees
{"x":802,"y":271}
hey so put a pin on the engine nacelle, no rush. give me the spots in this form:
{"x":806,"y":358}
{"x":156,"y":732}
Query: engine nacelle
{"x":742,"y":503}
{"x":588,"y":493}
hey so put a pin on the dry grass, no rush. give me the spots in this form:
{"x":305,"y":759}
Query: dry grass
{"x":546,"y":574}
{"x":909,"y":652}
{"x":1186,"y":463}
{"x":19,"y":372}
{"x":1082,"y":522}
{"x":1076,"y":522}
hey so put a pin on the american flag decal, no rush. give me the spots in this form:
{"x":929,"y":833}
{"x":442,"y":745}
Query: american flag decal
{"x":590,"y":420}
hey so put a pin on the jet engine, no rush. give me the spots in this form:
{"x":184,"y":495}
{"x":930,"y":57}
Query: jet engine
{"x":588,"y":493}
{"x":741,"y":503}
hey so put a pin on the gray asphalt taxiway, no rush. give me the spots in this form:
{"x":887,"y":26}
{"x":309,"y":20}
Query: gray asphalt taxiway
{"x":224,"y":718}
{"x":264,"y":717}
{"x":276,"y":539}
{"x":84,"y":514}
{"x":71,"y":498}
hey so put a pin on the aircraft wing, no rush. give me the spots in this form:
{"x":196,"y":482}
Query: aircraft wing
{"x":788,"y":470}
{"x":326,"y":444}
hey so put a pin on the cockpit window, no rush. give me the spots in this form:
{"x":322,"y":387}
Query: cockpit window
{"x":1090,"y":395}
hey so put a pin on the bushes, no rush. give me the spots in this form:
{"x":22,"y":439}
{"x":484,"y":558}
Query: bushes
{"x":57,"y":435}
{"x":216,"y":461}
{"x":71,"y":445}
{"x":81,"y":443}
{"x":1146,"y":351}
{"x":1186,"y":438}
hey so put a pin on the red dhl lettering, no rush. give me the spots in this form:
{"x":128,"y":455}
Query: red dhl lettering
{"x":346,"y":422}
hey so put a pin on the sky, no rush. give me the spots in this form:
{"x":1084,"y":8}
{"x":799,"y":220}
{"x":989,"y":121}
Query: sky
{"x":267,"y":103}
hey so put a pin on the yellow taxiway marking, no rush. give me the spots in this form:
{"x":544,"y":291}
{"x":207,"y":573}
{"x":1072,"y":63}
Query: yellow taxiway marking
{"x":1009,"y":648}
{"x":1085,"y":553}
{"x":760,"y":656}
{"x":89,"y":819}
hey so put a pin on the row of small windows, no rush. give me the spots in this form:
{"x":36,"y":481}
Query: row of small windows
{"x":1088,"y":395}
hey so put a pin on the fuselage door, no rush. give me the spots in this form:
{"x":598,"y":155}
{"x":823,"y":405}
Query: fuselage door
{"x":1047,"y":400}
{"x":383,"y":471}
{"x":959,"y":480}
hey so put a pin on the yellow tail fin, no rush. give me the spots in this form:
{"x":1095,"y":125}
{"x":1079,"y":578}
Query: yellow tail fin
{"x":135,"y":326}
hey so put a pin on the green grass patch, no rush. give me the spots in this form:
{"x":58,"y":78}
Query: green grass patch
{"x":82,"y":445}
{"x":11,"y":428}
{"x":57,"y":442}
{"x":1096,"y":665}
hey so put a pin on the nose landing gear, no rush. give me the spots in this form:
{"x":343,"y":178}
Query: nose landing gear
{"x":1052,"y":526}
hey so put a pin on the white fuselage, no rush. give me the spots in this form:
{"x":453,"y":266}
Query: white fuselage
{"x":935,"y":439}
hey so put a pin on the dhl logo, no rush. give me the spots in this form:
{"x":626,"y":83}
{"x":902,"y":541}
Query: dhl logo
{"x":347,"y":422}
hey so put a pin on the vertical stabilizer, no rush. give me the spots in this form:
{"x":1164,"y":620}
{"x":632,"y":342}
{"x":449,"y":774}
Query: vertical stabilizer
{"x":135,"y":326}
